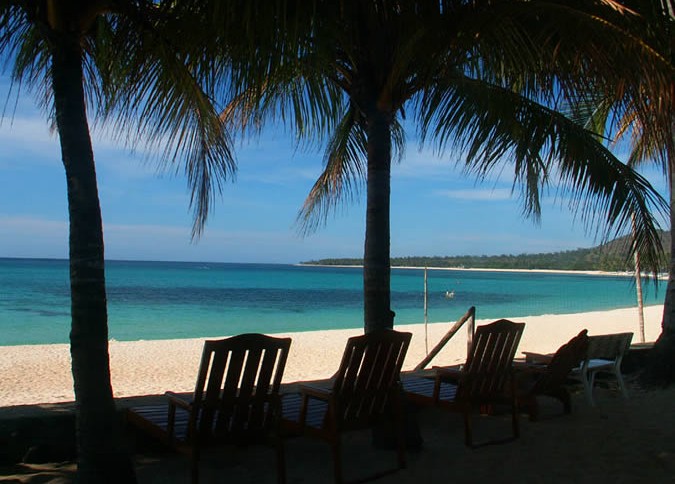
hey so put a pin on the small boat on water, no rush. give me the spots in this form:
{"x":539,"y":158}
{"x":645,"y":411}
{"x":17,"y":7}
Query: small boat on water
{"x":449,"y":294}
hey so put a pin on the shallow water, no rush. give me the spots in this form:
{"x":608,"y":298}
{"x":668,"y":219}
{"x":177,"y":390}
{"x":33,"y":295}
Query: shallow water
{"x":163,"y":300}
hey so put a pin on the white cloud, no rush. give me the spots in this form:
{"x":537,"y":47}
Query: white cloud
{"x":19,"y":136}
{"x":29,"y":139}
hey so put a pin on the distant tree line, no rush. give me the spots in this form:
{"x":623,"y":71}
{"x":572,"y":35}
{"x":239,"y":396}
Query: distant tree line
{"x":613,"y":256}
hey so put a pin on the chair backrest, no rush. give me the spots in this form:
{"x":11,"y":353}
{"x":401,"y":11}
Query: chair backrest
{"x":369,"y":372}
{"x":608,"y":346}
{"x":490,"y":363}
{"x":569,"y":356}
{"x":237,"y":387}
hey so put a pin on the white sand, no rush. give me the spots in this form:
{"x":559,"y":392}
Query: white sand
{"x":41,"y":373}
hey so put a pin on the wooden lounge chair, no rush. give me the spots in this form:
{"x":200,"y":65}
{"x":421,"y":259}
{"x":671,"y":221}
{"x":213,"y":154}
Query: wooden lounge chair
{"x":485,"y":380}
{"x":547,"y":375}
{"x":236,"y":400}
{"x":605,"y":354}
{"x":364,"y":392}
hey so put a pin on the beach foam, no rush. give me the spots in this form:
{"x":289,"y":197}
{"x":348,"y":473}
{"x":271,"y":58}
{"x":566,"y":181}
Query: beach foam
{"x":41,"y":373}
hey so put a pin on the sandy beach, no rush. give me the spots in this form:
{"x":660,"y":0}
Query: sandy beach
{"x":619,"y":440}
{"x":34,"y":374}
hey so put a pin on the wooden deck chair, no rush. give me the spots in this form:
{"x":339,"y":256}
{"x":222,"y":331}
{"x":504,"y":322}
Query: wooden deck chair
{"x":485,"y":380}
{"x":236,"y":400}
{"x":365,"y":391}
{"x":548,"y":374}
{"x":605,"y":354}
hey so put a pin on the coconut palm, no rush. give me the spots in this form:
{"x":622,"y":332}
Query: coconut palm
{"x":644,"y":113}
{"x":128,"y":63}
{"x":654,"y":139}
{"x":480,"y":78}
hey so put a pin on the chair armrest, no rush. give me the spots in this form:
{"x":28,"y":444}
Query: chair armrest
{"x":540,"y":358}
{"x":309,"y":392}
{"x":177,"y":400}
{"x":315,"y":391}
{"x":445,"y":373}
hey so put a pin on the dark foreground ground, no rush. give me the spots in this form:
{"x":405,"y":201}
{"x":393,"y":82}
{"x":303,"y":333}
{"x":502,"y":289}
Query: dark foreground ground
{"x":619,"y":441}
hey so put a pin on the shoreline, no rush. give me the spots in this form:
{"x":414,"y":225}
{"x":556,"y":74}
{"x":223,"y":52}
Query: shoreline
{"x":484,"y":269}
{"x":37,"y":374}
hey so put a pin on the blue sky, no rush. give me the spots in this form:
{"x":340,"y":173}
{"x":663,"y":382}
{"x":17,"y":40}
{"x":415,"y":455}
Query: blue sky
{"x":435,"y":209}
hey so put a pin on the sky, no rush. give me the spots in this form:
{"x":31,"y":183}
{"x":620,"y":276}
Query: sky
{"x":435,"y":209}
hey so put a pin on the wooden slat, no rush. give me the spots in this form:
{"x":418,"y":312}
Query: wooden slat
{"x":227,"y":405}
{"x":482,"y":381}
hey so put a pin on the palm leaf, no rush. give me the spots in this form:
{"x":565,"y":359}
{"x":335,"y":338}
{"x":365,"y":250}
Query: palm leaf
{"x":495,"y":127}
{"x":343,"y":174}
{"x":158,"y":99}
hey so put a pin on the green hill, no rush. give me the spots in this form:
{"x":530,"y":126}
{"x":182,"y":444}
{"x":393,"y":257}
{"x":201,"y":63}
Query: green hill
{"x":611,"y":256}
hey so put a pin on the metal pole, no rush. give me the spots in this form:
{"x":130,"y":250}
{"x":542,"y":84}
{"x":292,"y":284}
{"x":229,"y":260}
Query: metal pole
{"x":638,"y":285}
{"x":426,"y":331}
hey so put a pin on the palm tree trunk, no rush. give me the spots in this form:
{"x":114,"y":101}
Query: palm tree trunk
{"x":661,"y":365}
{"x":376,"y":258}
{"x":660,"y":368}
{"x":100,"y":458}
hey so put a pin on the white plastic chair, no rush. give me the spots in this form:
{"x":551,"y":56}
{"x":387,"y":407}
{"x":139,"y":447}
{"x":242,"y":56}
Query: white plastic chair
{"x":605,"y":354}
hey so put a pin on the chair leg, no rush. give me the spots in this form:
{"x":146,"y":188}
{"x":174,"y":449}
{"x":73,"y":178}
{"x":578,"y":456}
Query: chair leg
{"x":468,"y":439}
{"x":514,"y":419}
{"x":566,"y":400}
{"x":401,"y":453}
{"x":528,"y":403}
{"x":564,"y":396}
{"x":533,"y":408}
{"x":194,"y":466}
{"x":337,"y":458}
{"x":619,"y":379}
{"x":281,"y":460}
{"x":400,"y":434}
{"x":588,"y":381}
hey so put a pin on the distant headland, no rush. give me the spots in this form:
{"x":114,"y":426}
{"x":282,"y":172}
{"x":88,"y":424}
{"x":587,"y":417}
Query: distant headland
{"x":613,"y":256}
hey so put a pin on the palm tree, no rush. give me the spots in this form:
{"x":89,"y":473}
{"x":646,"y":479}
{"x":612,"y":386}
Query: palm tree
{"x":482,"y":78}
{"x":644,"y":112}
{"x":659,"y":144}
{"x":124,"y":61}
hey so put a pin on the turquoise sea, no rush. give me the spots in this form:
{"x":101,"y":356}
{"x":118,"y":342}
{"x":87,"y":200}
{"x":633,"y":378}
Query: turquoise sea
{"x":164,"y":300}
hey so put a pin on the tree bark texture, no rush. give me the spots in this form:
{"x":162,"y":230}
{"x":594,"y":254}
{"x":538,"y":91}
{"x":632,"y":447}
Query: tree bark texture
{"x":100,"y":455}
{"x":376,"y":258}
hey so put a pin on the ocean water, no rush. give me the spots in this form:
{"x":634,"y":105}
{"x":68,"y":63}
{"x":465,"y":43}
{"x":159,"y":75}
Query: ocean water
{"x":165,"y":300}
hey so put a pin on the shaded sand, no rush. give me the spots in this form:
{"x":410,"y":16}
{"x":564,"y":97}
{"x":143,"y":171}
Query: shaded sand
{"x":41,"y":373}
{"x":620,"y":441}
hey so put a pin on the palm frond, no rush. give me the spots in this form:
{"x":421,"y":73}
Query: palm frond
{"x":22,"y":47}
{"x":640,"y":111}
{"x":495,"y":127}
{"x":343,"y":174}
{"x":159,"y":96}
{"x":397,"y":141}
